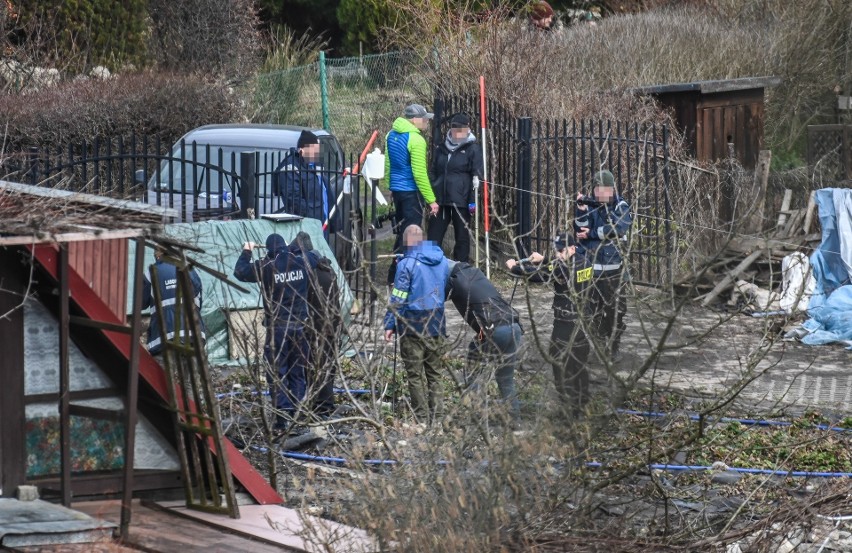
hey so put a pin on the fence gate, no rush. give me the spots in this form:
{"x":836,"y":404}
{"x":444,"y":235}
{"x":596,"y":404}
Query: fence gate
{"x":537,"y":168}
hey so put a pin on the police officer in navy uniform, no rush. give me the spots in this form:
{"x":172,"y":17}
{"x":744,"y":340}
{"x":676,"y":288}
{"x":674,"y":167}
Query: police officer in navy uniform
{"x":168,"y":285}
{"x":571,"y":278}
{"x":602,"y":222}
{"x":303,"y":189}
{"x":325,"y":327}
{"x":283,"y":276}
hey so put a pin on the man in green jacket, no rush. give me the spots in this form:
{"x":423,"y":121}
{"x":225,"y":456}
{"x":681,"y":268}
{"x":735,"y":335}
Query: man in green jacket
{"x":407,"y":174}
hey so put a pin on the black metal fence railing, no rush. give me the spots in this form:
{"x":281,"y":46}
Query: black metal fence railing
{"x":537,"y":168}
{"x":202,"y":182}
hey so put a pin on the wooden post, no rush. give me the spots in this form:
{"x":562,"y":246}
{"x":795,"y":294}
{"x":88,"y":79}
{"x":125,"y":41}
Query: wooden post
{"x":809,"y":213}
{"x":757,"y":214}
{"x":731,"y":277}
{"x":785,"y":208}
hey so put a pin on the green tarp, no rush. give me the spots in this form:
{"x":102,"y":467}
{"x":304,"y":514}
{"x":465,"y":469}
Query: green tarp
{"x":222,"y":242}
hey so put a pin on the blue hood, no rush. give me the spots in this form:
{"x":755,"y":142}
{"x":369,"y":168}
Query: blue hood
{"x":427,"y":253}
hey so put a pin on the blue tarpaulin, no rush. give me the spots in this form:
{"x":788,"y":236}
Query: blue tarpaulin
{"x":830,"y":308}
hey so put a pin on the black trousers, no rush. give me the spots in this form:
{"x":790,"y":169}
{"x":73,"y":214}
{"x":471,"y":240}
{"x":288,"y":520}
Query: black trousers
{"x":569,"y":353}
{"x":460,"y":219}
{"x":324,"y":368}
{"x":409,"y":211}
{"x":608,"y":306}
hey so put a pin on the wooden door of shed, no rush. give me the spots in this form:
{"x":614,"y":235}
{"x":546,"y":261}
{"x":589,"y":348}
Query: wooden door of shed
{"x":735,"y":120}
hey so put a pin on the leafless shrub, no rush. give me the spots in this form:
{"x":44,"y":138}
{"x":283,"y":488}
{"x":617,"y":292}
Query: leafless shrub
{"x":161,"y":104}
{"x":210,"y":36}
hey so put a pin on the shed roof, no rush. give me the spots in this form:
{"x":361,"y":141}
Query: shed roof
{"x":35,"y":214}
{"x":711,"y":87}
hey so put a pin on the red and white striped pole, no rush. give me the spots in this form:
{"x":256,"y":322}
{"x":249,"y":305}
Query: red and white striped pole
{"x":485,"y":200}
{"x":354,"y":171}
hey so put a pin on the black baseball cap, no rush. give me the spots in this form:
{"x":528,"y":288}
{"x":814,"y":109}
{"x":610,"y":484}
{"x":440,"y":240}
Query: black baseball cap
{"x":563,"y":240}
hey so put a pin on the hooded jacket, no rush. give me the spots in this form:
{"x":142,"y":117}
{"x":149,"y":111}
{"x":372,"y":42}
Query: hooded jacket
{"x":405,"y":160}
{"x":302,"y":188}
{"x":283,"y":276}
{"x":608,"y":225}
{"x":477,"y":299}
{"x":168,"y":286}
{"x":453,"y":168}
{"x":417,"y":300}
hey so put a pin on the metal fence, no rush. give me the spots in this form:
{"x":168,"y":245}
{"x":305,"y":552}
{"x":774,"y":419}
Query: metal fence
{"x":203,"y":183}
{"x":537,"y":168}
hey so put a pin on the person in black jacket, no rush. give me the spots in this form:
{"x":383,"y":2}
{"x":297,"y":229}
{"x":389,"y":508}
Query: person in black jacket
{"x":303,"y":189}
{"x":456,"y":161}
{"x":497,"y":325}
{"x":168,"y":284}
{"x":571,"y":278}
{"x":283,"y":278}
{"x":325,"y":328}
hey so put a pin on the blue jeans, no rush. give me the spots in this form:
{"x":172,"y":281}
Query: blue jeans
{"x":287,"y":350}
{"x":502,"y":350}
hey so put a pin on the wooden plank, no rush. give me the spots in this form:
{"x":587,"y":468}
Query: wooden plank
{"x":809,"y":212}
{"x":47,"y":238}
{"x":158,"y":530}
{"x":785,"y":206}
{"x":730,"y":278}
{"x":757,"y":198}
{"x":12,"y":435}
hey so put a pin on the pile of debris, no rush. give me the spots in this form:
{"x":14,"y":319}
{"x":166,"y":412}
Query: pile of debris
{"x":753,"y":268}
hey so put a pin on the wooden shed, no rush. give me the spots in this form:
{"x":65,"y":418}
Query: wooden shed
{"x":713,"y":114}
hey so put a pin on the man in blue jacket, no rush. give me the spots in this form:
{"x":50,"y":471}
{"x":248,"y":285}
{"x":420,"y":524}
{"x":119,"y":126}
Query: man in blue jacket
{"x":303,"y":189}
{"x":284,"y":277}
{"x":407,"y":173}
{"x":168,"y":284}
{"x":602,"y":222}
{"x":416,"y":314}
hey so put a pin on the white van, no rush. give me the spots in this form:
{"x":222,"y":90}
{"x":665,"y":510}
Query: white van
{"x":198,"y":177}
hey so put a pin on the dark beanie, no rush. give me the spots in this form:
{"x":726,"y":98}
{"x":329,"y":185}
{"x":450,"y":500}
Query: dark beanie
{"x":604,"y":178}
{"x":460,"y":121}
{"x":303,"y":240}
{"x":306,"y":139}
{"x":275,"y":244}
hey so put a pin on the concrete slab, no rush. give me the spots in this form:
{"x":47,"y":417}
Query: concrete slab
{"x":25,"y":523}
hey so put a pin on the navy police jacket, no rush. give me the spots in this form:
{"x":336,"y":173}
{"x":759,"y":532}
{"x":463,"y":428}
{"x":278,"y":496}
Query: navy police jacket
{"x":417,"y":300}
{"x":608,"y":225}
{"x":168,"y":286}
{"x":570,"y":281}
{"x":284,"y":277}
{"x":302,"y":188}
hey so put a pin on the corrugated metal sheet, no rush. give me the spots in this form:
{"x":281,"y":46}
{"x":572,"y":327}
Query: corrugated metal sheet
{"x":103,"y":265}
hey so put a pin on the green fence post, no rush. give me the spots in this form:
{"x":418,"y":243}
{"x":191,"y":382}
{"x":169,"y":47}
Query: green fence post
{"x":323,"y":90}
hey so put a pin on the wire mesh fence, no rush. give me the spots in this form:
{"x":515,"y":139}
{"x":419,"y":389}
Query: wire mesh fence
{"x":349,"y":97}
